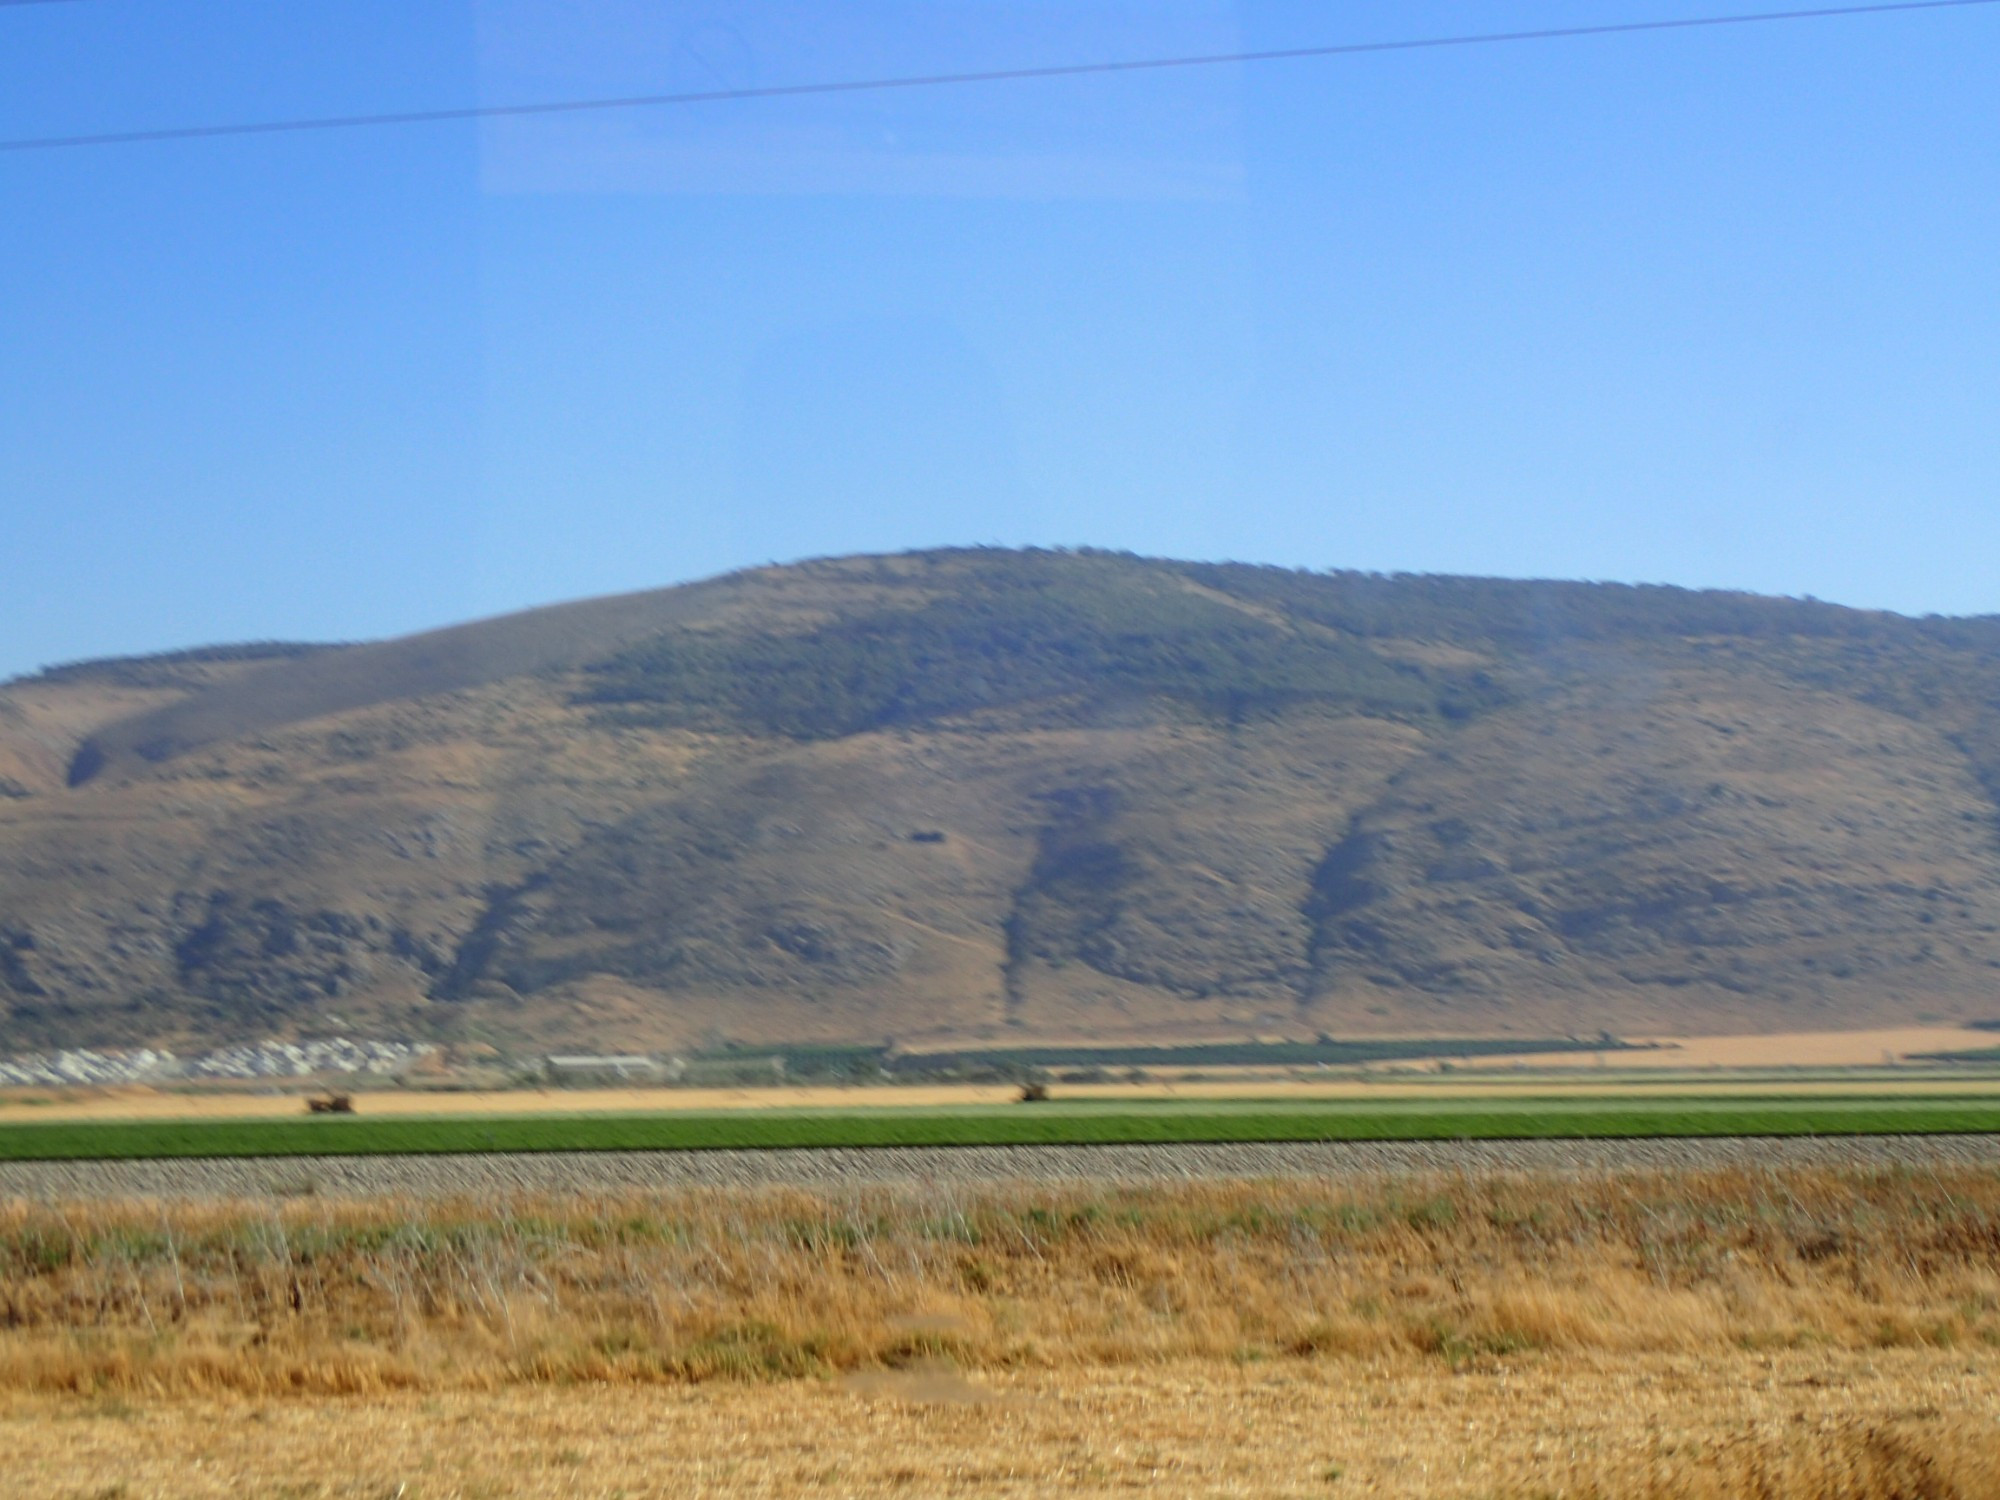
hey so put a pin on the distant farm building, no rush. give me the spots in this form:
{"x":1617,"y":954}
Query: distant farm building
{"x":582,"y":1068}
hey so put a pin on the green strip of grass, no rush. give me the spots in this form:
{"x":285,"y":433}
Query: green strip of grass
{"x":1054,"y":1124}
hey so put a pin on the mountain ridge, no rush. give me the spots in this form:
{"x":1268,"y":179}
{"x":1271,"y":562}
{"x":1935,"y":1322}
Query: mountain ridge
{"x":981,"y":793}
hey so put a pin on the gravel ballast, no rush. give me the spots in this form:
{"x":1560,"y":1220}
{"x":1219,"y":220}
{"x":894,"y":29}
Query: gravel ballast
{"x":486,"y":1175}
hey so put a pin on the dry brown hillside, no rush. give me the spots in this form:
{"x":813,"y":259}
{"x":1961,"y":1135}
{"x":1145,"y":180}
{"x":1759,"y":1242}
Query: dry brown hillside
{"x":992,"y":793}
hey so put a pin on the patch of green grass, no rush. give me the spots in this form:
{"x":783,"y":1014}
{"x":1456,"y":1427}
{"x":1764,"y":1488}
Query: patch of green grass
{"x":1091,"y":1122}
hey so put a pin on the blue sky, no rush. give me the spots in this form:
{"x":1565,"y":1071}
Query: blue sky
{"x":1713,"y":308}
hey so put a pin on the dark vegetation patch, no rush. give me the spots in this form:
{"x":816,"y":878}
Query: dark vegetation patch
{"x":1248,"y":1054}
{"x":172,"y":669}
{"x":1023,"y":628}
{"x":1530,"y":614}
{"x":1970,"y":1055}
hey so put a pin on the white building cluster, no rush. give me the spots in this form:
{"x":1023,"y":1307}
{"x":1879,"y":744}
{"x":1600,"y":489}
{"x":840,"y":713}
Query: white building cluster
{"x":250,"y":1060}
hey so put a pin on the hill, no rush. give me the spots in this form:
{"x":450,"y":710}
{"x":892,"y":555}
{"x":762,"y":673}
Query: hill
{"x":1005,"y":794}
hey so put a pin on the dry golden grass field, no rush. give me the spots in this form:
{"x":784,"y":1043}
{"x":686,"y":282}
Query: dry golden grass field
{"x":1814,"y":1334}
{"x":1790,"y":1425}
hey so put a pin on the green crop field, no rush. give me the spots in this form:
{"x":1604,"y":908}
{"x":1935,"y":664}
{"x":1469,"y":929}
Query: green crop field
{"x":1064,"y":1123}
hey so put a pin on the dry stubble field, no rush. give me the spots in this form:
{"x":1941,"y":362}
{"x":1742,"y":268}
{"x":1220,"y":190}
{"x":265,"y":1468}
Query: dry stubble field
{"x":1805,"y":1333}
{"x":1802,"y":1425}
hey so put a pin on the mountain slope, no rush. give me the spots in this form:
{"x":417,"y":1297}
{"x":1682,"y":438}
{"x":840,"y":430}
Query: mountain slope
{"x":1000,"y":793}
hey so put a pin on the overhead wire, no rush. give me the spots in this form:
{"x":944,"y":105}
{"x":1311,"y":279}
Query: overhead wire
{"x":945,"y":80}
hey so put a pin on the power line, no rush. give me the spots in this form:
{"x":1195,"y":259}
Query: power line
{"x":943,"y":80}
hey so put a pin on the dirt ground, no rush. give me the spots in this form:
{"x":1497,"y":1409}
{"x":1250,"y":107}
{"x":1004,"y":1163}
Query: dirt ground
{"x":1289,"y":1428}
